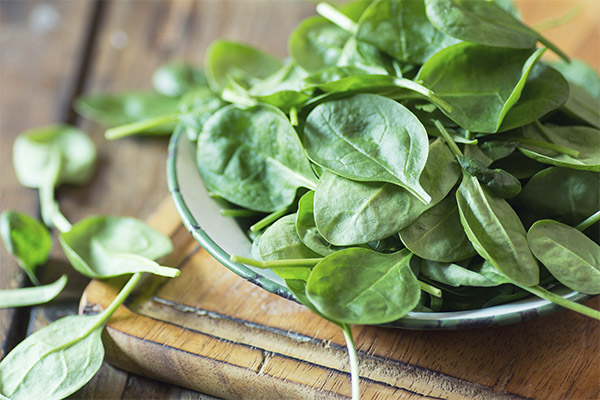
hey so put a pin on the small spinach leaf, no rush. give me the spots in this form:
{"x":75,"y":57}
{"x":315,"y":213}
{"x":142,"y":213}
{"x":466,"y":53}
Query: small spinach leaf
{"x":26,"y":239}
{"x":176,"y":78}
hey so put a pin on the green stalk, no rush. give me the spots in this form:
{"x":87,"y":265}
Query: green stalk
{"x":550,"y":146}
{"x":589,"y":221}
{"x":561,"y":301}
{"x":300,"y":262}
{"x":268,"y":220}
{"x":337,"y":17}
{"x":121,"y":131}
{"x":120,"y":299}
{"x":236,"y":212}
{"x":294,"y":116}
{"x":432,"y":290}
{"x":415,"y":87}
{"x":353,"y":356}
{"x":448,"y":138}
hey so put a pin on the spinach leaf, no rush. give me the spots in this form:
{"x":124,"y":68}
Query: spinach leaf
{"x":454,"y":275}
{"x":316,"y":43}
{"x":582,"y":106}
{"x":483,"y":22}
{"x":401,"y":29}
{"x":496,"y":232}
{"x":128,"y":107}
{"x":280,"y":241}
{"x":283,"y":89}
{"x":582,"y":141}
{"x":481,"y":83}
{"x":60,"y":358}
{"x":26,"y":239}
{"x":498,"y":181}
{"x":581,"y":74}
{"x":195,"y":107}
{"x":438,"y":235}
{"x":252,"y":157}
{"x":349,"y":212}
{"x":570,"y":256}
{"x":306,"y":227}
{"x":360,"y":286}
{"x":369,"y":138}
{"x":365,"y":57}
{"x":30,"y":296}
{"x":176,"y":78}
{"x":225,"y":60}
{"x":46,"y":157}
{"x":565,"y":194}
{"x":103,"y":247}
{"x":545,"y":91}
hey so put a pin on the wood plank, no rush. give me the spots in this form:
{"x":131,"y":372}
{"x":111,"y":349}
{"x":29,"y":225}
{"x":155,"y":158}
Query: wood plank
{"x":244,"y":339}
{"x":41,"y":46}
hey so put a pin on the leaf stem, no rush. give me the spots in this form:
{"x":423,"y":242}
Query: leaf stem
{"x":353,"y":358}
{"x":334,"y":15}
{"x":125,"y":291}
{"x":294,"y":116}
{"x":50,"y":210}
{"x":589,"y":221}
{"x":296,"y":262}
{"x":549,"y":146}
{"x":429,"y":94}
{"x":122,"y":131}
{"x":561,"y":301}
{"x":448,"y":138}
{"x":432,"y":290}
{"x":268,"y":220}
{"x":236,"y":212}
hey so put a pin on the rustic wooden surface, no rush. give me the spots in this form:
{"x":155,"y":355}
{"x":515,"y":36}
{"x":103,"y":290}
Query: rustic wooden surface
{"x":52,"y":51}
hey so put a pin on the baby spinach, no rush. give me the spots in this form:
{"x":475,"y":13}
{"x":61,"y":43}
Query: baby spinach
{"x":369,"y":138}
{"x":454,"y":275}
{"x":437,"y":234}
{"x":60,"y":358}
{"x":306,"y":227}
{"x":26,"y":239}
{"x":195,"y":107}
{"x":280,"y":241}
{"x":127,"y":107}
{"x":342,"y":289}
{"x":45,"y":157}
{"x":176,"y":78}
{"x":226,"y":60}
{"x":483,"y":22}
{"x":252,"y":157}
{"x":481,"y":83}
{"x":498,"y":181}
{"x":103,"y":247}
{"x":570,"y":256}
{"x":401,"y":29}
{"x":349,"y":212}
{"x":30,"y":296}
{"x":567,"y":195}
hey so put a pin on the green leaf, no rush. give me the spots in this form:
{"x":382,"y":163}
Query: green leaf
{"x":349,"y":212}
{"x":54,"y":154}
{"x":360,"y":286}
{"x":253,"y":158}
{"x":124,"y":108}
{"x":103,"y":247}
{"x":283,"y":89}
{"x":176,"y":78}
{"x":438,"y":235}
{"x":306,"y":227}
{"x":581,"y":74}
{"x":196,"y":107}
{"x":401,"y":29}
{"x":454,"y":274}
{"x":483,"y":22}
{"x":496,"y":232}
{"x":27,"y":239}
{"x":570,"y":256}
{"x":565,"y":194}
{"x":481,"y":83}
{"x":30,"y":296}
{"x":225,"y":60}
{"x":581,"y":139}
{"x":369,"y":138}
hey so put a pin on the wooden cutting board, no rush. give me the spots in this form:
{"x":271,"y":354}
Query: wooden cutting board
{"x":211,"y":331}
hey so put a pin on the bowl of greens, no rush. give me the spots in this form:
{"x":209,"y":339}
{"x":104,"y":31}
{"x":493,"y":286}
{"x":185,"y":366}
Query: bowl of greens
{"x":412,"y":164}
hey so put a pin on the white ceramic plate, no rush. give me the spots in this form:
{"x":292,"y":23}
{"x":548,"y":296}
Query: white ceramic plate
{"x":222,"y":236}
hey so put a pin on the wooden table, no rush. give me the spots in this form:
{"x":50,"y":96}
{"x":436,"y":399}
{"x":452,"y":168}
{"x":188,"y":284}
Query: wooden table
{"x":50,"y":52}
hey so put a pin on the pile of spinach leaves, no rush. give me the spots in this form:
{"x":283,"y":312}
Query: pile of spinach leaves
{"x":409,"y":155}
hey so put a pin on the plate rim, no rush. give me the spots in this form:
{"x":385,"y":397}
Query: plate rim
{"x":413,"y":320}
